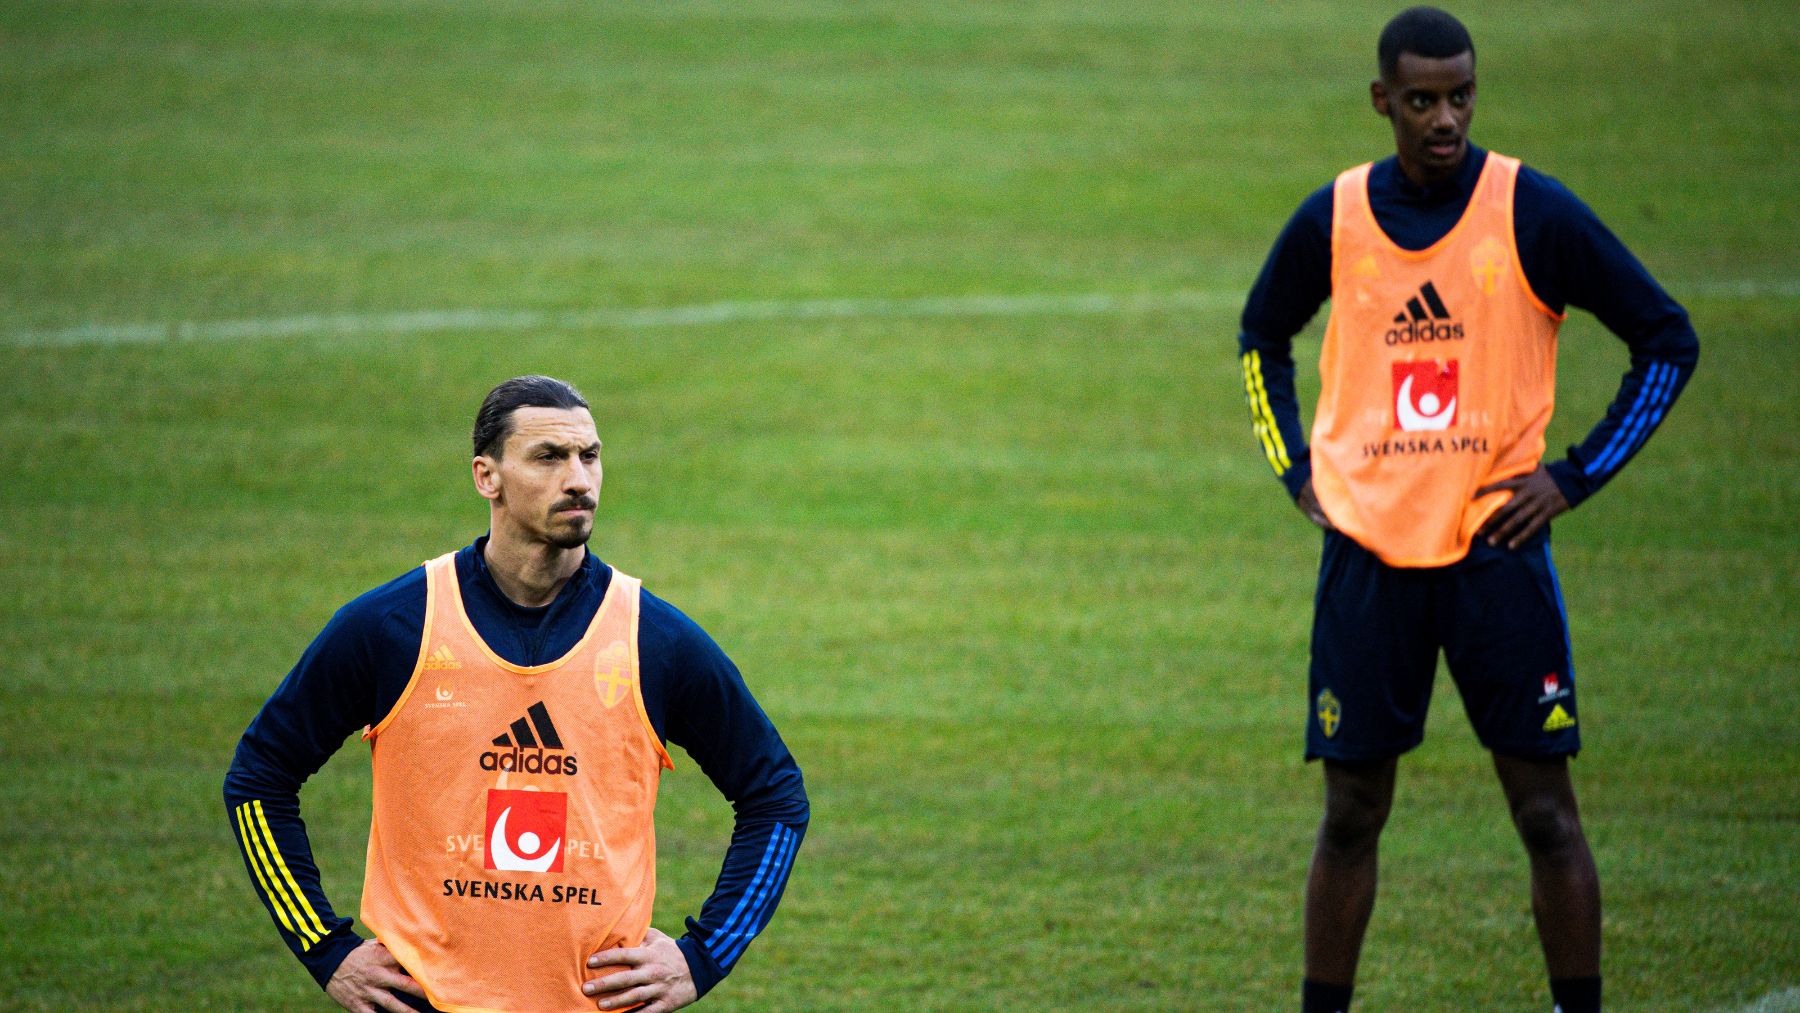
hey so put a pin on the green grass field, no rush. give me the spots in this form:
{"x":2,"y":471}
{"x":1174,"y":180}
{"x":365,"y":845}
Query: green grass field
{"x":1016,"y":584}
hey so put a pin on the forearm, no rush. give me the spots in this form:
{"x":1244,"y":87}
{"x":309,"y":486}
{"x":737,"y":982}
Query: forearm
{"x":277,"y":854}
{"x":298,"y":728}
{"x":1646,"y":394}
{"x":1268,"y":369}
{"x":750,"y":886}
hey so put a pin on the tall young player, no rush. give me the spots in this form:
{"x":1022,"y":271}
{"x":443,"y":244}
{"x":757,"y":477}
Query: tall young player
{"x":1448,"y":269}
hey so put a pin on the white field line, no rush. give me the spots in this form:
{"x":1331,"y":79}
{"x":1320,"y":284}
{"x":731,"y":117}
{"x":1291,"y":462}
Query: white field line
{"x":453,"y":320}
{"x":1785,"y":1000}
{"x":439,"y":321}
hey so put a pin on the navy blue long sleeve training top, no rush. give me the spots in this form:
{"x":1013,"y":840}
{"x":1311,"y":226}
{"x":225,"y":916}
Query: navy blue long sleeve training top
{"x":1570,"y":259}
{"x":352,"y":676}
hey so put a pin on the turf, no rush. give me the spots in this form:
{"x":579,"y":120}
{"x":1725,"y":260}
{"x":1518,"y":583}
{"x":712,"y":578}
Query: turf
{"x":1018,"y":589}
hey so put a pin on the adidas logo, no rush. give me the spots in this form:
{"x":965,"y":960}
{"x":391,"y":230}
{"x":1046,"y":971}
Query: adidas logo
{"x":1425,"y":318}
{"x":524,"y":743}
{"x":441,"y":659}
{"x":1558,"y":720}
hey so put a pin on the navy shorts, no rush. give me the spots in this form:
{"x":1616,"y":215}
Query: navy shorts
{"x":1498,"y":618}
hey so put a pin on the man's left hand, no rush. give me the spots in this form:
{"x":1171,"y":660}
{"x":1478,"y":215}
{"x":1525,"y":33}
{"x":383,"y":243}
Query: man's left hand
{"x":656,"y":974}
{"x":1535,"y":500}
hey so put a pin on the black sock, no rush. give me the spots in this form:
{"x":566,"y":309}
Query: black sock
{"x":1318,"y":997}
{"x":1576,"y":995}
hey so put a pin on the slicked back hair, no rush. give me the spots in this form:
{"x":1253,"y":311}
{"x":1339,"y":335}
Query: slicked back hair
{"x":1422,"y":31}
{"x":493,"y":423}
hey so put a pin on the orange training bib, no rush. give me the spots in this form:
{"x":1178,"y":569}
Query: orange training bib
{"x":513,"y":829}
{"x":1439,"y":375}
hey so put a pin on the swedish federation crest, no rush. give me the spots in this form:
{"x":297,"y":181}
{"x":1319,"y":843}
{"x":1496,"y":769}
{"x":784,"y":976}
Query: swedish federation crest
{"x":1330,"y":712}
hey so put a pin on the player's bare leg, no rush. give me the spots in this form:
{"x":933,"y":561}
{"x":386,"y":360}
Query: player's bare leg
{"x":1340,"y":889}
{"x":1565,"y":886}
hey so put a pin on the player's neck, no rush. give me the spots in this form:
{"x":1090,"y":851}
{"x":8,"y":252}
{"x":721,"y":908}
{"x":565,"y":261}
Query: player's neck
{"x":530,"y":573}
{"x":1425,"y":181}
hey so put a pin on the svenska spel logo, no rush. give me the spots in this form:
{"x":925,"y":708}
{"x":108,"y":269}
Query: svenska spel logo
{"x":1424,"y":395}
{"x":525,"y":830}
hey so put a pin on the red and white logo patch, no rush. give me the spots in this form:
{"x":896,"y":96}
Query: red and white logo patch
{"x":1555,"y":689}
{"x":525,"y":830}
{"x":1424,"y":395}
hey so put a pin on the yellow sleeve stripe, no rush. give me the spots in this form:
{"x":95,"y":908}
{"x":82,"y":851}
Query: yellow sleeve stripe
{"x":1256,"y":418}
{"x":1262,"y":416}
{"x":277,"y":902}
{"x":288,"y":877}
{"x":1268,"y":413}
{"x":265,"y":875}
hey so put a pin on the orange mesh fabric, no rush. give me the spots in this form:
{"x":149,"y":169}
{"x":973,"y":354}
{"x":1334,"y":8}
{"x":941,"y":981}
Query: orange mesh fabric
{"x":1439,"y":375}
{"x":513,"y":830}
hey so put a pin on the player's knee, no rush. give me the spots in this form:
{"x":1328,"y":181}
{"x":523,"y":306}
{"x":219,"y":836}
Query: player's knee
{"x":1352,"y":826}
{"x":1548,"y":827}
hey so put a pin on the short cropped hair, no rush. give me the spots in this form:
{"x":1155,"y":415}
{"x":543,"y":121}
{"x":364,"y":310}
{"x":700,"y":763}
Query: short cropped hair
{"x":1422,"y":31}
{"x":493,"y":423}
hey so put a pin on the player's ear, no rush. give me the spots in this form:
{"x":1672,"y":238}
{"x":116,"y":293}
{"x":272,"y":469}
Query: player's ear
{"x":486,"y":472}
{"x":1378,"y":97}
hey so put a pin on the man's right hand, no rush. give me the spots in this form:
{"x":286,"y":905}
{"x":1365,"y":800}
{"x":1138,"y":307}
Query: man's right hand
{"x":368,"y":978}
{"x":1308,"y":502}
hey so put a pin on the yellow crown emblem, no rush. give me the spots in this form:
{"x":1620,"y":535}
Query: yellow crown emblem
{"x":1331,"y":713}
{"x":612,"y":676}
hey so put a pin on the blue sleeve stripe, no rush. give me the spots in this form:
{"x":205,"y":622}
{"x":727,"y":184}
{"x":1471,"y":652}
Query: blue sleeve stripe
{"x":735,"y":949}
{"x":1652,"y":402}
{"x":1625,"y":423}
{"x":739,"y":927}
{"x":764,"y":907}
{"x":1660,"y":399}
{"x":769,"y":853}
{"x":1660,"y":402}
{"x":729,"y":942}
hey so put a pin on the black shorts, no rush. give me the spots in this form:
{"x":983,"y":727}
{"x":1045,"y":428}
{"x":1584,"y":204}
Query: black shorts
{"x":1377,"y":629}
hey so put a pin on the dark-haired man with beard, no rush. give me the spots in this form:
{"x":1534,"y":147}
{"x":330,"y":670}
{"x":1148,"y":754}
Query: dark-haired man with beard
{"x":516,"y":695}
{"x":1448,"y":269}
